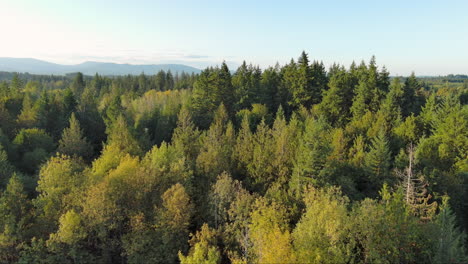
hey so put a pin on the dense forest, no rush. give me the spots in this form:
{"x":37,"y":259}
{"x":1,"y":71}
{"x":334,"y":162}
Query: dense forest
{"x":291,"y":164}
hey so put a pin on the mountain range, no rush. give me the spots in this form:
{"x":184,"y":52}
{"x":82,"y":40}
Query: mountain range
{"x":35,"y":66}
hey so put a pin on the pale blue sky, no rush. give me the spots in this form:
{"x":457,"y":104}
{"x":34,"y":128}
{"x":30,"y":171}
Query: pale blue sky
{"x":429,"y":37}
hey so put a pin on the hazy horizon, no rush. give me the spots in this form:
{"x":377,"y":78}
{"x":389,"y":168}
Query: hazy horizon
{"x":427,"y":37}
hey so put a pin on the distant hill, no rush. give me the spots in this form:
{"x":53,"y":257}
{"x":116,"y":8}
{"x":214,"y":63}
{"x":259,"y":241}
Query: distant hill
{"x":35,"y":66}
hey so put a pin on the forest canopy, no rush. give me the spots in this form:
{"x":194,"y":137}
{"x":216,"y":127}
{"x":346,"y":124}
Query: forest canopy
{"x":296,"y":163}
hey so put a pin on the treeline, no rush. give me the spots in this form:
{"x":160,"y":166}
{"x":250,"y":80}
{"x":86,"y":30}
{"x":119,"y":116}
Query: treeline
{"x":291,"y":164}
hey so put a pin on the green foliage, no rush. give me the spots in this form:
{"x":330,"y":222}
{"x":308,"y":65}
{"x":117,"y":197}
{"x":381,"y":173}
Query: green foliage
{"x":212,"y":88}
{"x":16,"y":84}
{"x":203,"y":248}
{"x":72,"y":142}
{"x":377,"y":162}
{"x":255,"y":116}
{"x":284,"y":164}
{"x":14,"y":220}
{"x":336,"y":100}
{"x":271,"y":239}
{"x":312,"y":153}
{"x":246,"y":82}
{"x":71,"y":229}
{"x":29,"y":116}
{"x":186,"y":136}
{"x":449,"y":245}
{"x":60,"y":180}
{"x":33,"y":147}
{"x":321,"y":236}
{"x":121,"y":136}
{"x":78,"y":84}
{"x":174,"y":221}
{"x":385,"y":233}
{"x":215,"y":154}
{"x":6,"y":169}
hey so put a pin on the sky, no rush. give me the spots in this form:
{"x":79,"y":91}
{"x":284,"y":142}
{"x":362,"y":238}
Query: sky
{"x":427,"y":37}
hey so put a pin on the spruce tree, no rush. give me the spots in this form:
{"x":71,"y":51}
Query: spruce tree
{"x":449,"y":243}
{"x":409,"y":104}
{"x":225,"y":90}
{"x":121,"y":136}
{"x":28,"y":117}
{"x":16,"y":85}
{"x":213,"y":87}
{"x":337,"y":100}
{"x":73,"y":143}
{"x":186,"y":136}
{"x":377,"y":162}
{"x":319,"y":81}
{"x":69,"y":103}
{"x":270,"y":85}
{"x":301,"y":84}
{"x":78,"y":84}
{"x":312,"y":153}
{"x":6,"y":169}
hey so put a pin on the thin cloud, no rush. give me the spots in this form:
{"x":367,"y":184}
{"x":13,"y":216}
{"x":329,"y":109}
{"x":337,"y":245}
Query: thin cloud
{"x":192,"y":56}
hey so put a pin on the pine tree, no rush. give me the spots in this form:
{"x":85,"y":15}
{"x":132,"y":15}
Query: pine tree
{"x":73,"y":143}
